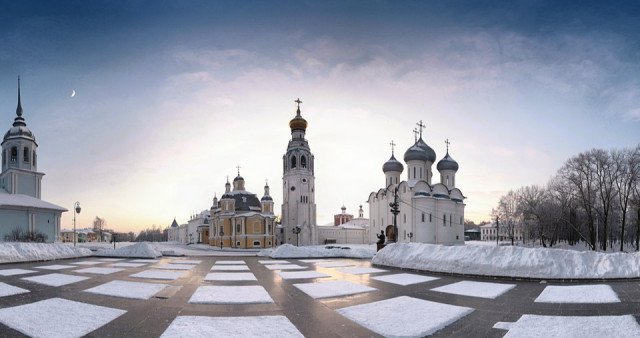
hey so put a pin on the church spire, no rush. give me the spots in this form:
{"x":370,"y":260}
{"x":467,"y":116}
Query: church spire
{"x":19,"y":120}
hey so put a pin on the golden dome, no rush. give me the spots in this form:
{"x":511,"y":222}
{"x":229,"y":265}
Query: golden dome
{"x":298,"y":123}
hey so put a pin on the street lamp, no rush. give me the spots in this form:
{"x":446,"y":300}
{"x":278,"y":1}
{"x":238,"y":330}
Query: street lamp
{"x":221,"y":234}
{"x":395,"y":210}
{"x":76,"y":210}
{"x":191,"y":238}
{"x":296,"y":230}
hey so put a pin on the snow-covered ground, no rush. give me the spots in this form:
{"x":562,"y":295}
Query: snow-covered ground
{"x":510,"y":261}
{"x":346,"y":251}
{"x":138,"y":250}
{"x":28,"y":252}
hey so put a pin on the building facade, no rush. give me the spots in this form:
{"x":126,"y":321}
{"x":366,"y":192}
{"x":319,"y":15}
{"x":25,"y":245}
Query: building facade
{"x":428,"y":212}
{"x":21,"y":208}
{"x":240,"y":220}
{"x":353,"y":231}
{"x":298,"y":185}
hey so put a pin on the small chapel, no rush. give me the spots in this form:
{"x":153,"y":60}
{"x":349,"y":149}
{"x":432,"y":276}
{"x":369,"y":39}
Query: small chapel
{"x":22,"y":211}
{"x":428,"y":212}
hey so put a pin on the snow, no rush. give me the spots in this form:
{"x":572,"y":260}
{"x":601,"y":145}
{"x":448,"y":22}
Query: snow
{"x":227,"y":327}
{"x":311,"y":251}
{"x":404,"y":279}
{"x":333,"y":289}
{"x":87,"y":263}
{"x":144,"y":260}
{"x":230,"y":262}
{"x":302,"y":274}
{"x":28,"y":252}
{"x":185,"y":261}
{"x":578,"y":294}
{"x":111,"y":259}
{"x":230,"y":295}
{"x":174,"y":266}
{"x":476,"y":289}
{"x":284,"y":267}
{"x":22,"y":201}
{"x":55,"y":267}
{"x":57,"y":318}
{"x":138,"y":250}
{"x":572,"y":326}
{"x":334,"y":265}
{"x":405,"y":316}
{"x":127,"y":265}
{"x":274,"y":261}
{"x":155,"y":274}
{"x":125,"y":289}
{"x":10,"y":290}
{"x":55,"y":279}
{"x":229,"y":276}
{"x":509,"y":261}
{"x":361,"y":271}
{"x":315,"y":260}
{"x":13,"y":272}
{"x":229,"y":268}
{"x":99,"y":271}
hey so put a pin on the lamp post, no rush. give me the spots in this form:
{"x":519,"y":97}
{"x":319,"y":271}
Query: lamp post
{"x":76,"y":210}
{"x":221,"y":234}
{"x":191,"y":238}
{"x":296,"y":230}
{"x":395,"y":210}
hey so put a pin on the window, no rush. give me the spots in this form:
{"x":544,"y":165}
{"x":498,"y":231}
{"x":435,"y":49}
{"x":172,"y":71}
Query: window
{"x":238,"y":228}
{"x":414,"y":172}
{"x":256,"y":243}
{"x":396,"y":180}
{"x":25,"y":154}
{"x":14,"y":154}
{"x":303,"y":162}
{"x":293,"y":162}
{"x":405,"y":234}
{"x":450,"y":220}
{"x":444,"y":220}
{"x":237,"y":243}
{"x":221,"y":230}
{"x":430,"y":218}
{"x":404,"y":218}
{"x":34,"y":157}
{"x":423,"y":217}
{"x":420,"y":172}
{"x":256,"y":227}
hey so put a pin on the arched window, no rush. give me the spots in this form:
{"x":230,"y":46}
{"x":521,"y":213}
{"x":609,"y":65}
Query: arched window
{"x":14,"y":154}
{"x":303,"y":162}
{"x":25,"y":154}
{"x":34,"y":158}
{"x":4,"y":157}
{"x":293,"y":162}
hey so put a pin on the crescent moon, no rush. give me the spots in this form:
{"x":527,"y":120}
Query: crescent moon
{"x":73,"y":93}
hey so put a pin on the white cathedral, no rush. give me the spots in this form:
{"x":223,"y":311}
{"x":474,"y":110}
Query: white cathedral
{"x":429,"y":212}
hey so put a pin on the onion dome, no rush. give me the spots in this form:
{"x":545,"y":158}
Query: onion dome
{"x":298,"y":122}
{"x":431,"y":154}
{"x":238,"y":178}
{"x":392,"y":165}
{"x":415,"y":153}
{"x":447,"y":163}
{"x":19,"y":129}
{"x":266,"y":198}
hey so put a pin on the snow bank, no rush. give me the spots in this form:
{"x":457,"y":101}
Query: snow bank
{"x":138,"y":250}
{"x":338,"y":250}
{"x":26,"y":252}
{"x":510,"y":261}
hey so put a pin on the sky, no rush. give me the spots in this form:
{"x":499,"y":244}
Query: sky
{"x":171,"y":96}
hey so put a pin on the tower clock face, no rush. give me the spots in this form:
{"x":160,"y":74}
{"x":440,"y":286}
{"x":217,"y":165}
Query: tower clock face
{"x":304,"y":180}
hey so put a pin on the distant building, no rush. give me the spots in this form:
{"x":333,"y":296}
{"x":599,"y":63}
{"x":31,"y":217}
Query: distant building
{"x":172,"y":233}
{"x":342,"y":217}
{"x":489,"y":232}
{"x":21,"y":209}
{"x":353,"y":231}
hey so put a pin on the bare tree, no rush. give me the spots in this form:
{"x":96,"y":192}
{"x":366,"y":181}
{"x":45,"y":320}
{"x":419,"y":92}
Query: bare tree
{"x":98,"y":227}
{"x":628,"y":167}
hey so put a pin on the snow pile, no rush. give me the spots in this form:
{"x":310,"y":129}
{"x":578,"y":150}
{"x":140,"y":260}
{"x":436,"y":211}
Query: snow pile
{"x":27,"y":252}
{"x":138,"y":250}
{"x":347,"y":251}
{"x":510,"y":261}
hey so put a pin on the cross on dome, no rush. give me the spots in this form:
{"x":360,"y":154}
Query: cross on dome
{"x":447,"y":143}
{"x":298,"y":102}
{"x":421,"y":126}
{"x":415,"y":134}
{"x":392,"y":146}
{"x":238,"y":169}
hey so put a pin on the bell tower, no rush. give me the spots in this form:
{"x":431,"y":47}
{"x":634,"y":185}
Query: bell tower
{"x":298,"y":184}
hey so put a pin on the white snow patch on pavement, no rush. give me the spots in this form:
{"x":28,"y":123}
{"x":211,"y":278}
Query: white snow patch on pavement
{"x":229,"y":268}
{"x":57,"y":318}
{"x":476,"y":289}
{"x":227,"y":262}
{"x":125,"y":289}
{"x":128,"y":265}
{"x":578,"y":294}
{"x":162,"y":275}
{"x":227,"y":327}
{"x":318,"y":260}
{"x":572,"y":326}
{"x":404,"y":278}
{"x":99,"y":271}
{"x":404,"y":316}
{"x":111,"y":259}
{"x":509,"y":261}
{"x":29,"y":252}
{"x":55,"y":279}
{"x":87,"y":263}
{"x":229,"y":276}
{"x":185,"y":261}
{"x":361,"y":271}
{"x":230,"y":295}
{"x":144,"y":261}
{"x":138,"y":250}
{"x":333,"y":289}
{"x":284,"y":267}
{"x":274,"y":261}
{"x":55,"y":267}
{"x":334,"y":265}
{"x":10,"y":290}
{"x":302,"y":274}
{"x":318,"y":251}
{"x":13,"y":272}
{"x":175,"y":266}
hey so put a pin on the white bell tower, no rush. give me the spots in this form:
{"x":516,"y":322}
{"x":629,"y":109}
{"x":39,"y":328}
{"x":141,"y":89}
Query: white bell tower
{"x":298,"y":184}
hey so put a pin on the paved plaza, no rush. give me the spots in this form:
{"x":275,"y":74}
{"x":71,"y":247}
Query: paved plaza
{"x":250,"y":296}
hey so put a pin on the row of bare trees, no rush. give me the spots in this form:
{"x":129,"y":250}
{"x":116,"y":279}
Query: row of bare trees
{"x":595,"y":198}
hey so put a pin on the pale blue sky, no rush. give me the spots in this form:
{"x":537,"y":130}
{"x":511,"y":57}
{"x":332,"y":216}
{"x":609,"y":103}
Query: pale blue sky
{"x":171,"y":96}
